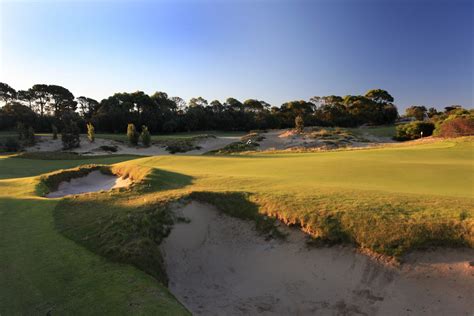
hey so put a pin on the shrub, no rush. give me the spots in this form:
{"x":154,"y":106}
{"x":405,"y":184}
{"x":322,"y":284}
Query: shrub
{"x":12,"y":144}
{"x":54,"y":129}
{"x":132,"y":134}
{"x":22,"y":131}
{"x":26,"y":135}
{"x":70,"y":132}
{"x":90,"y":132}
{"x":30,"y":137}
{"x":299,"y":124}
{"x":459,"y":126}
{"x":413,"y":130}
{"x":145,"y":136}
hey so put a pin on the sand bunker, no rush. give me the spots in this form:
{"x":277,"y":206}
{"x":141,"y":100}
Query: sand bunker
{"x":93,"y":182}
{"x":218,"y":265}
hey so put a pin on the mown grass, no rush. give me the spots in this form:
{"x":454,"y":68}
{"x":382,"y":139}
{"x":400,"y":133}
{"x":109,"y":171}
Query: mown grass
{"x":42,"y":272}
{"x":390,"y":200}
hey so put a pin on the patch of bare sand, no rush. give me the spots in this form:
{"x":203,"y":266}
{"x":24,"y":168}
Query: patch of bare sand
{"x":93,"y":182}
{"x":47,"y":143}
{"x":219,"y":265}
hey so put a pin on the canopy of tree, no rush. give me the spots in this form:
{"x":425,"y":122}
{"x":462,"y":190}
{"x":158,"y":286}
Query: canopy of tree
{"x":161,"y":113}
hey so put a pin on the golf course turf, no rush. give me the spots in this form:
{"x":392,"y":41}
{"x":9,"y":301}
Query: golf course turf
{"x":99,"y":252}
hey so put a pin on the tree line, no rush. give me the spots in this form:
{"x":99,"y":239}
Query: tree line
{"x":46,"y":107}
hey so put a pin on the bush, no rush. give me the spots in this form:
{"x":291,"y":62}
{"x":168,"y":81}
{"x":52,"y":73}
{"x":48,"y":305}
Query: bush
{"x":70,"y":132}
{"x":299,"y":124}
{"x":413,"y":130}
{"x":54,"y":129}
{"x":30,"y":137}
{"x":132,"y":134}
{"x":26,"y":135}
{"x":12,"y":144}
{"x":457,"y":127}
{"x":90,"y":132}
{"x":145,"y":136}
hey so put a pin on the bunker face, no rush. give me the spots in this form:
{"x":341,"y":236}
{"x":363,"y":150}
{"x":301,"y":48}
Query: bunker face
{"x":218,"y":265}
{"x":93,"y":182}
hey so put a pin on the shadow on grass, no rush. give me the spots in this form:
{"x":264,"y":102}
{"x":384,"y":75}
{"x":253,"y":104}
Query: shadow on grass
{"x":239,"y":205}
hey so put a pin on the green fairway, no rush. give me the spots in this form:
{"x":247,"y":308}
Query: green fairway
{"x":12,"y":167}
{"x":99,"y":253}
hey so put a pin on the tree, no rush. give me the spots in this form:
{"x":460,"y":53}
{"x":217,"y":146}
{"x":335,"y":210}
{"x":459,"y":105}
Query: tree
{"x":26,"y":96}
{"x":299,"y":124}
{"x":90,"y":132}
{"x":41,"y":97}
{"x":15,"y":112}
{"x":179,"y":103}
{"x":70,"y":131}
{"x":416,"y":111}
{"x":199,"y":101}
{"x":145,"y":136}
{"x":61,"y":100}
{"x":7,"y":93}
{"x":87,"y":106}
{"x":379,"y":96}
{"x":132,"y":134}
{"x":432,"y":112}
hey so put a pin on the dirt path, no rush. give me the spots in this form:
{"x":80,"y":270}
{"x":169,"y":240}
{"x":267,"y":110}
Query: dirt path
{"x":93,"y":182}
{"x":219,"y":265}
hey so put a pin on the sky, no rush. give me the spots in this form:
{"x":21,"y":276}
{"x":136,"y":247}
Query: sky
{"x":421,"y":51}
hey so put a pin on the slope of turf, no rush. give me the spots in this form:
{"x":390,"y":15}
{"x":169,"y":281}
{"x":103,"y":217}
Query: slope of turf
{"x":42,"y":272}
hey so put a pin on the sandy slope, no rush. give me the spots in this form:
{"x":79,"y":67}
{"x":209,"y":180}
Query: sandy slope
{"x":46,"y":143}
{"x":93,"y":182}
{"x":219,"y":265}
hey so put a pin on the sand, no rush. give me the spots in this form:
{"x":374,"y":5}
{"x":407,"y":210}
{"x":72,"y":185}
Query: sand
{"x":47,"y":143}
{"x":218,"y":265}
{"x":93,"y":182}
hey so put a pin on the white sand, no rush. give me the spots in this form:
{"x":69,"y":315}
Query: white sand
{"x":219,"y":265}
{"x":93,"y":182}
{"x":47,"y":143}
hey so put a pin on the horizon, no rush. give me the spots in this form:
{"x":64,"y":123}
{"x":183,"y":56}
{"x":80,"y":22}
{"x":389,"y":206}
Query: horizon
{"x":421,"y":52}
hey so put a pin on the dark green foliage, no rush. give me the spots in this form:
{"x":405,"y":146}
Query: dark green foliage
{"x":109,"y":148}
{"x":26,"y":135}
{"x":7,"y":93}
{"x":145,"y":136}
{"x":413,"y":130}
{"x":132,"y":134}
{"x":70,"y":131}
{"x":11,"y":145}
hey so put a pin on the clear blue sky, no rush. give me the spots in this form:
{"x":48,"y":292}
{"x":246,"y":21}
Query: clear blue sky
{"x":420,"y":51}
